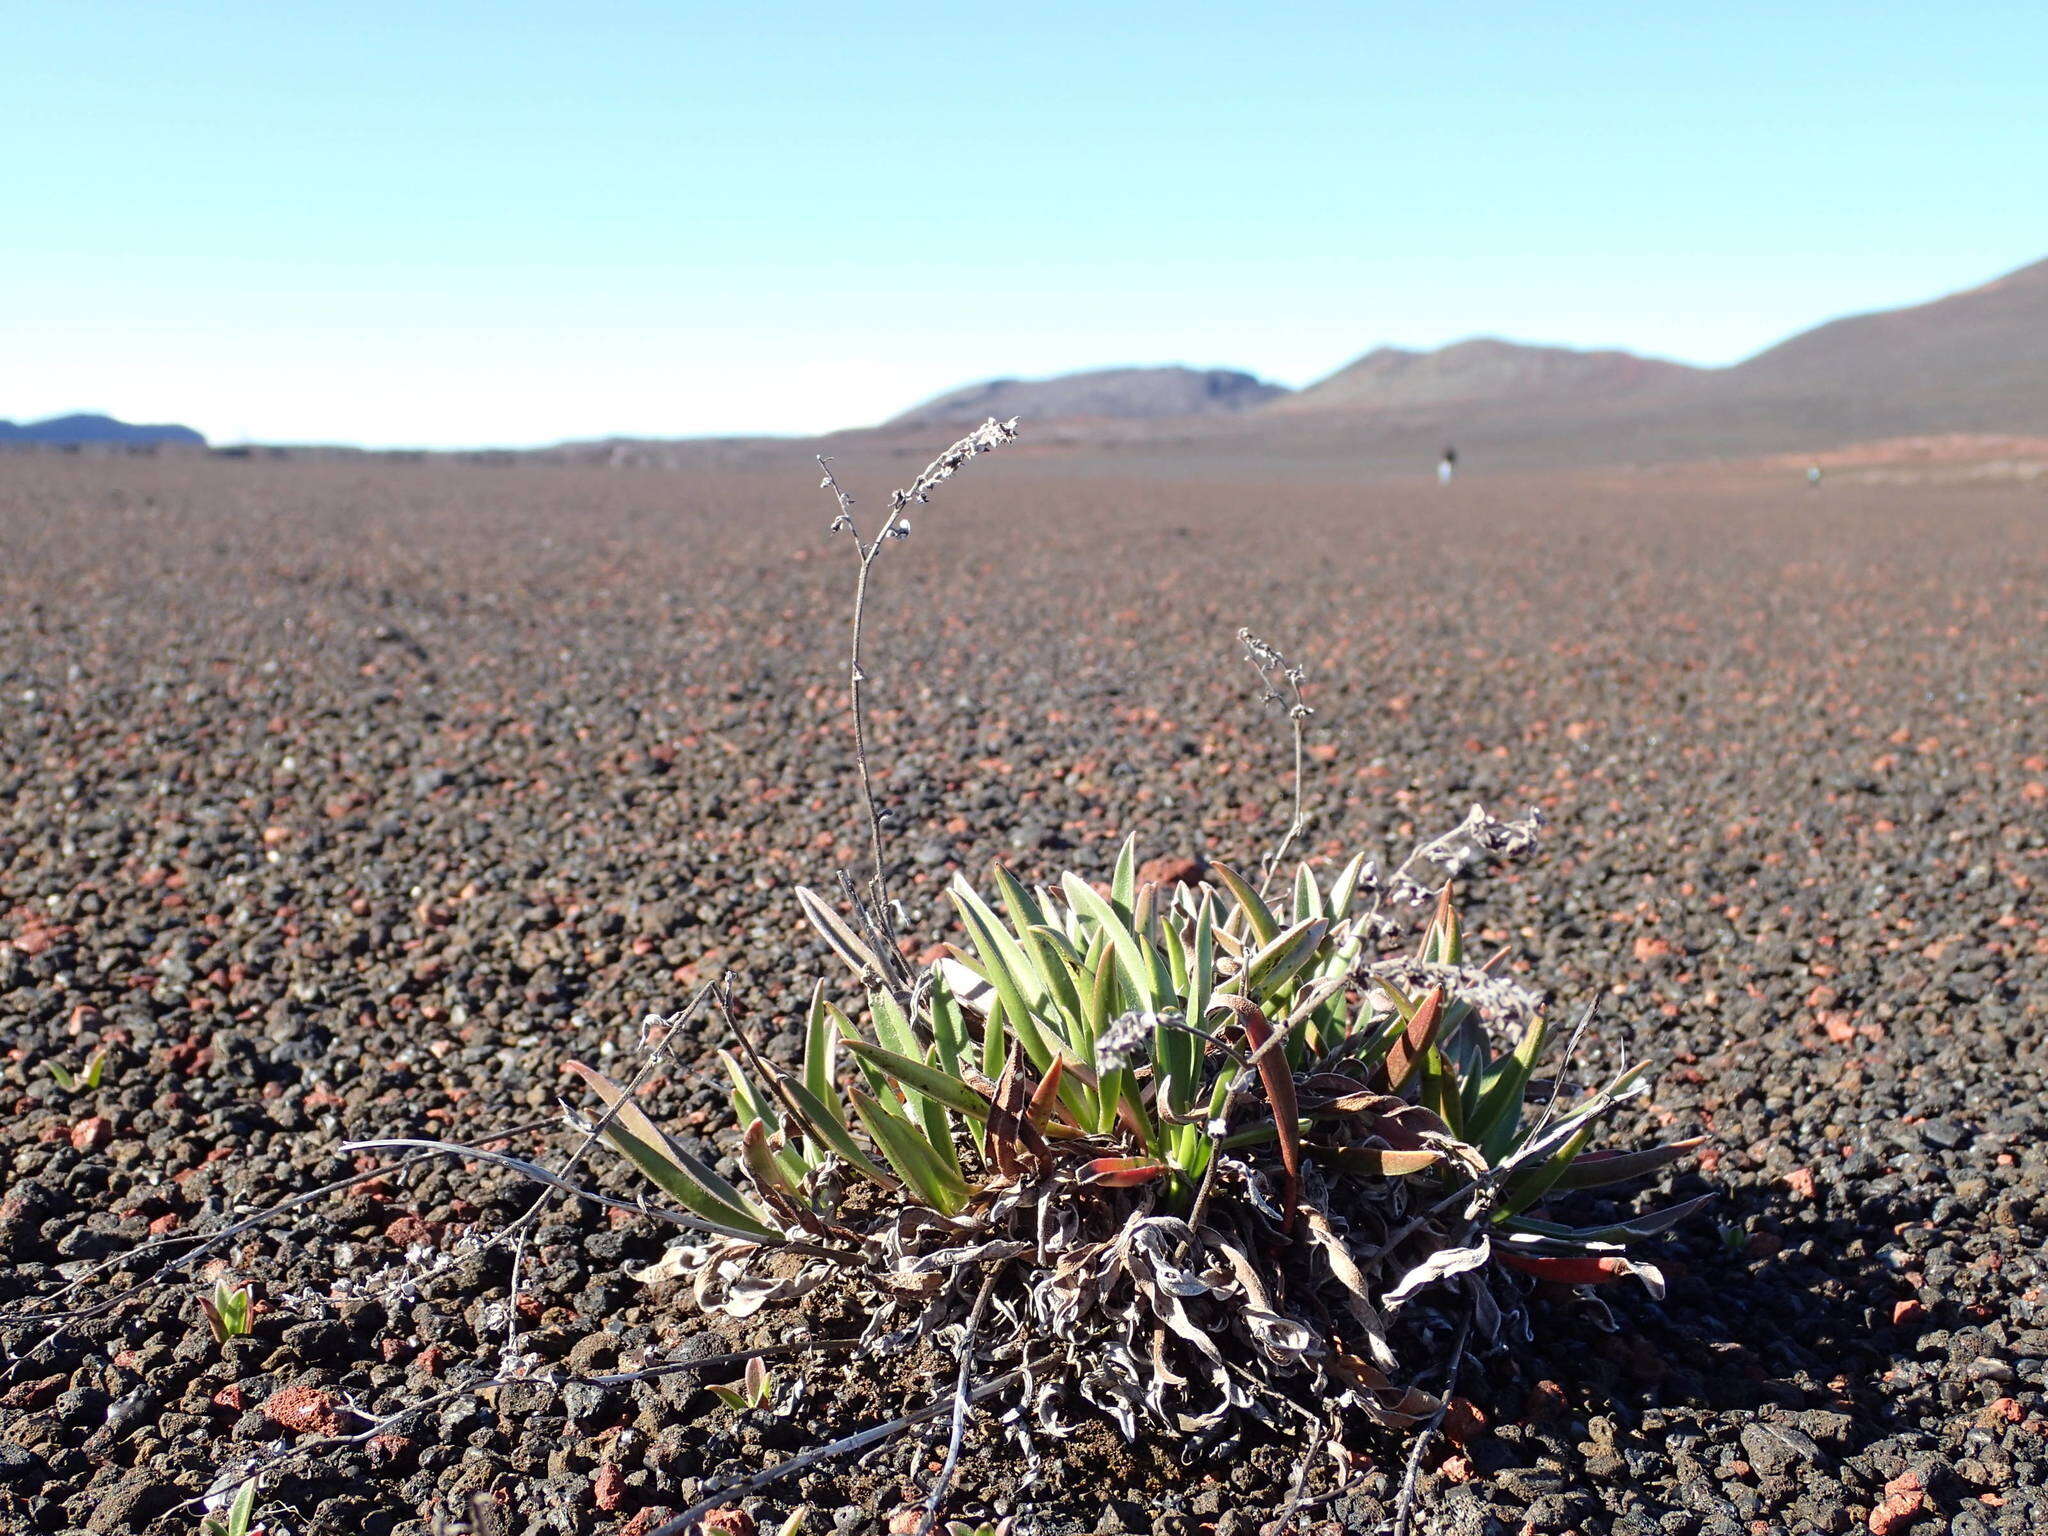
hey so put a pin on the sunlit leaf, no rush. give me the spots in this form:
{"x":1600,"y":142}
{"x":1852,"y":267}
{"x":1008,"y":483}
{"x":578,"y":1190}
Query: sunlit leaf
{"x":1277,"y":962}
{"x":1376,"y":1162}
{"x":1265,"y":926}
{"x":823,"y":1120}
{"x":910,"y":1155}
{"x":691,"y":1182}
{"x":840,"y":937}
{"x":1416,"y":1040}
{"x":1123,"y":885}
{"x":1130,"y":951}
{"x":925,"y":1078}
{"x":1278,"y":1078}
{"x":821,"y":1049}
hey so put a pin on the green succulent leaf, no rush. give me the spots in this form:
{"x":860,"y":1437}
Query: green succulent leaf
{"x":914,"y":1159}
{"x":1649,"y":1224}
{"x":824,"y":1119}
{"x":1268,"y":971}
{"x":1345,"y":887}
{"x":924,"y":1077}
{"x":1492,"y":1125}
{"x":1123,"y":885}
{"x":1023,"y":907}
{"x":993,"y":946}
{"x":1308,"y":896}
{"x":1265,"y":926}
{"x":1002,"y":948}
{"x":1531,"y":1185}
{"x":821,"y":1049}
{"x":655,"y":1153}
{"x":1596,"y":1169}
{"x":1131,"y":952}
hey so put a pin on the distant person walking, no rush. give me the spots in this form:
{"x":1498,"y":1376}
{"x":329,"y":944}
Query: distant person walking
{"x":1813,"y":477}
{"x":1447,"y":466}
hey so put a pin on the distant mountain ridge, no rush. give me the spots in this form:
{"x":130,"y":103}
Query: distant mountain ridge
{"x":1111,"y":394}
{"x":1973,"y":363}
{"x":89,"y":431}
{"x":1484,"y":368}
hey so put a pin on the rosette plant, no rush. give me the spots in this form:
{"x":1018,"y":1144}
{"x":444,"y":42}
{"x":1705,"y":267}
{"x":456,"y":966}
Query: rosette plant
{"x":1168,"y":1113}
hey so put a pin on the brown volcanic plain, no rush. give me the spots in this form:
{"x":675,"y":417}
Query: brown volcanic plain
{"x":347,"y":799}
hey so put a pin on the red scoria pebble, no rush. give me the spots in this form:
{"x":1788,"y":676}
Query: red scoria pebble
{"x":1903,"y":1502}
{"x":1172,"y":869}
{"x":303,"y":1409}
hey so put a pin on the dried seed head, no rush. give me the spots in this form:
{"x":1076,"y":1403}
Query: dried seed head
{"x":1127,"y":1037}
{"x":986,"y":438}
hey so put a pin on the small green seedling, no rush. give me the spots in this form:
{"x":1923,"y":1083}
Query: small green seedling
{"x":89,"y":1079}
{"x":238,"y":1517}
{"x":984,"y":1528}
{"x":753,"y":1390}
{"x":228,"y":1312}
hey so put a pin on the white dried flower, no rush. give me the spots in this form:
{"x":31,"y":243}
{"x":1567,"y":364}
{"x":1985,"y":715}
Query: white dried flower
{"x":1496,"y":997}
{"x":1127,"y":1038}
{"x":986,"y":438}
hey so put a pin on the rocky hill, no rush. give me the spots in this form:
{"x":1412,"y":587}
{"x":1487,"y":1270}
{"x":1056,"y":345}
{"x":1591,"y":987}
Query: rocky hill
{"x":1486,"y":368}
{"x":1110,"y":394}
{"x":88,"y":431}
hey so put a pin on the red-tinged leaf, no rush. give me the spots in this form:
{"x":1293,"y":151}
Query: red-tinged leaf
{"x":1278,"y":1078}
{"x":1010,"y":1129}
{"x":1045,"y":1099}
{"x":1405,"y":1059}
{"x":1121,"y":1172}
{"x":1444,"y":941}
{"x":1006,"y":1118}
{"x":1565,"y":1271}
{"x":760,"y":1162}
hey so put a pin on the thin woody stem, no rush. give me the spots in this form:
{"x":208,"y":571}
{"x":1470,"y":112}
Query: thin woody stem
{"x":876,"y":903}
{"x":877,"y":914}
{"x":1271,"y":665}
{"x":878,"y":889}
{"x":1294,"y":827}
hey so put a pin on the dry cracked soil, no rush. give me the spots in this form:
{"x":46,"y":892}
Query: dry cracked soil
{"x":346,"y":800}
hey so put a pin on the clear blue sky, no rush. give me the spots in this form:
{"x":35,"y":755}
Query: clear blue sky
{"x":456,"y":223}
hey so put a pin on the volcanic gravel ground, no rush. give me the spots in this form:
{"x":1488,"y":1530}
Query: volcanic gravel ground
{"x":346,"y":800}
